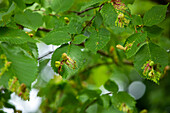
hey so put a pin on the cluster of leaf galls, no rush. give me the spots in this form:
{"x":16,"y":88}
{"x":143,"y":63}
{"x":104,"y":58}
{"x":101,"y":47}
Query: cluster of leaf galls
{"x":148,"y":70}
{"x":20,"y":89}
{"x":65,"y":60}
{"x":6,"y":65}
{"x":123,"y":19}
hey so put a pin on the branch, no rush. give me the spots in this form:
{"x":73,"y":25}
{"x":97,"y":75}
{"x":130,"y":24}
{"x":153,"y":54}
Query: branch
{"x":44,"y":29}
{"x":92,"y":18}
{"x":45,"y":55}
{"x":39,"y":10}
{"x":95,"y":100}
{"x":104,"y":54}
{"x":88,"y":23}
{"x":90,"y":104}
{"x":127,"y":62}
{"x":79,"y":13}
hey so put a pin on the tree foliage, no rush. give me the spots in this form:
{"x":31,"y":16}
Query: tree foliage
{"x":99,"y":42}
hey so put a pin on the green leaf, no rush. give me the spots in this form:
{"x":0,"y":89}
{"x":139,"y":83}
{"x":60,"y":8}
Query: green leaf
{"x":91,"y":93}
{"x":153,"y":31}
{"x":74,"y":52}
{"x":109,"y":110}
{"x":33,"y":49}
{"x":5,"y":16}
{"x":41,"y":81}
{"x":50,"y":21}
{"x":154,"y":53}
{"x":97,"y":40}
{"x":86,"y":104}
{"x":56,"y":37}
{"x":14,"y":36}
{"x":30,"y":48}
{"x":5,"y":78}
{"x":91,"y":109}
{"x":61,"y":5}
{"x":78,"y":39}
{"x":109,"y":15}
{"x":137,"y":20}
{"x":75,"y":27}
{"x":1,"y":60}
{"x":42,"y":64}
{"x":24,"y":67}
{"x":134,"y":43}
{"x":111,"y":86}
{"x":5,"y":75}
{"x":123,"y":97}
{"x":29,"y":19}
{"x":105,"y":100}
{"x":20,"y":3}
{"x":91,"y":3}
{"x":155,"y":15}
{"x":98,"y":20}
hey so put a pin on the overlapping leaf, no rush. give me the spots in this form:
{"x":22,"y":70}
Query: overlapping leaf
{"x":123,"y":98}
{"x":74,"y":53}
{"x":5,"y":16}
{"x":105,"y":100}
{"x":98,"y":20}
{"x":97,"y":40}
{"x":29,"y":19}
{"x":155,"y":15}
{"x":137,"y":20}
{"x":14,"y":36}
{"x":111,"y":86}
{"x":56,"y":37}
{"x":92,"y":2}
{"x":153,"y":53}
{"x":79,"y":39}
{"x":20,"y":3}
{"x":50,"y":21}
{"x":23,"y":66}
{"x":61,"y":5}
{"x":134,"y":43}
{"x":109,"y":15}
{"x":153,"y":31}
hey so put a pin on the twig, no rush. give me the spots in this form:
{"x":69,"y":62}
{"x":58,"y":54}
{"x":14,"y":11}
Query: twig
{"x":90,"y":104}
{"x":96,"y":65}
{"x":103,"y":53}
{"x":88,"y":23}
{"x":39,"y":10}
{"x":44,"y":29}
{"x":48,"y":30}
{"x":79,"y":13}
{"x":45,"y":55}
{"x":92,"y":18}
{"x":127,"y":62}
{"x":95,"y":100}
